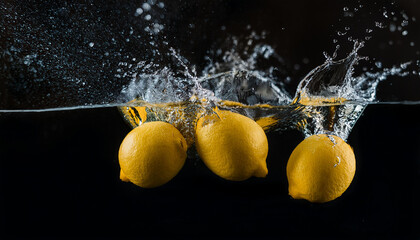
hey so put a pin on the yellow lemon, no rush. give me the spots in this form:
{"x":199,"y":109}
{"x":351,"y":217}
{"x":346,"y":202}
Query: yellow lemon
{"x":152,"y":154}
{"x":232,"y":146}
{"x":320,"y":168}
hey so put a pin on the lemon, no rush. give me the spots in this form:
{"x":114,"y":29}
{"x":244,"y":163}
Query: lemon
{"x":152,"y":154}
{"x":320,"y":168}
{"x":232,"y":146}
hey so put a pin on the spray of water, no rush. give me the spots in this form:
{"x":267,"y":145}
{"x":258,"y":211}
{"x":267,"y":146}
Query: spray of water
{"x":329,"y":99}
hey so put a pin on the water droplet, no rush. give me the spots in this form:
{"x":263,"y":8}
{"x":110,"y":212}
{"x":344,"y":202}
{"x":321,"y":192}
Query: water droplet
{"x":368,"y":30}
{"x":338,"y":161}
{"x":339,"y":33}
{"x":347,"y":28}
{"x":139,"y":11}
{"x":404,"y":33}
{"x":412,"y":44}
{"x":345,"y":9}
{"x":91,"y":44}
{"x":147,"y":17}
{"x":347,"y":14}
{"x":378,"y":64}
{"x":161,"y":5}
{"x":392,"y":27}
{"x":326,"y":55}
{"x":404,"y":23}
{"x":146,"y":6}
{"x":379,"y":25}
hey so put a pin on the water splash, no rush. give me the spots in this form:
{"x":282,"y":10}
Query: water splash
{"x":329,"y":99}
{"x":66,"y":67}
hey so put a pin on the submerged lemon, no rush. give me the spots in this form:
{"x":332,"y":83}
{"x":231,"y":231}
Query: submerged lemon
{"x":232,"y":146}
{"x":152,"y":154}
{"x":320,"y":168}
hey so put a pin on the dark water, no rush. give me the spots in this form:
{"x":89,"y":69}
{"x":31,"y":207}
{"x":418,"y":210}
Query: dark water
{"x":60,"y":176}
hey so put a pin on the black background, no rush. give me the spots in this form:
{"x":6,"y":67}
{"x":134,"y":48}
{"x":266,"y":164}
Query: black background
{"x":60,"y":174}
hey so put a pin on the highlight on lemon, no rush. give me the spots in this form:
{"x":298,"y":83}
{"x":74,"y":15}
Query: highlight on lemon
{"x":320,"y":168}
{"x":152,"y":154}
{"x":231,"y":145}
